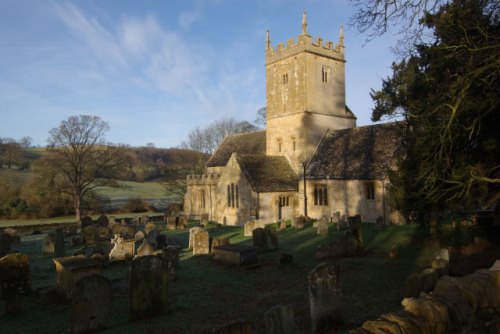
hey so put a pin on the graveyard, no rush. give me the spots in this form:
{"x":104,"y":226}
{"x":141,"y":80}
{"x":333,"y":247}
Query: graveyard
{"x":229,"y":274}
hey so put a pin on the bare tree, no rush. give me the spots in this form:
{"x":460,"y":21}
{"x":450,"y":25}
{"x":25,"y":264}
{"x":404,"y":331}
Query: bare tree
{"x":82,"y":160}
{"x":11,"y":152}
{"x":260,"y":119}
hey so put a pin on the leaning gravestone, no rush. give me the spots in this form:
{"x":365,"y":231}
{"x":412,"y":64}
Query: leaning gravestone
{"x":280,"y":320}
{"x":48,"y":244}
{"x":201,"y":243}
{"x":59,"y":243}
{"x":122,"y":250}
{"x":324,"y":297}
{"x":192,"y":232}
{"x":148,"y":287}
{"x":171,"y":223}
{"x":15,"y":281}
{"x":151,"y":237}
{"x":90,"y":304}
{"x":145,"y":249}
{"x":322,"y":227}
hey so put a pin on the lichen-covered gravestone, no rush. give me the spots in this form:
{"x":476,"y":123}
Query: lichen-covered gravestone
{"x":48,"y":244}
{"x":201,"y":243}
{"x":148,"y":287}
{"x":90,"y":304}
{"x":324,"y":297}
{"x":15,"y":281}
{"x":249,"y":227}
{"x":192,"y":232}
{"x":280,"y":320}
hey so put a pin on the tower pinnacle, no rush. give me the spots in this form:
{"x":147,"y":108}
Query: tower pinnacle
{"x":304,"y":24}
{"x":268,"y":40}
{"x":341,"y":37}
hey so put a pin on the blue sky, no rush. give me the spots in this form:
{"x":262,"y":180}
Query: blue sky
{"x":154,"y":70}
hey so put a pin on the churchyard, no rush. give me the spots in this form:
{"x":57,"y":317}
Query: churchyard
{"x":207,"y":291}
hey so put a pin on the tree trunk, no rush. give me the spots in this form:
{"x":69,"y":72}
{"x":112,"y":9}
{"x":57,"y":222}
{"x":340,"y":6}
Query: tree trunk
{"x":78,"y":214}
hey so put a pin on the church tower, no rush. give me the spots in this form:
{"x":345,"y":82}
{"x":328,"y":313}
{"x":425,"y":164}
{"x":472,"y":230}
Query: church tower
{"x":305,"y":95}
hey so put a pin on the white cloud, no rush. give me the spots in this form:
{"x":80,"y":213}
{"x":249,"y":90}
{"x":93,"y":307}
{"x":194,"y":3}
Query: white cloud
{"x":186,"y":19}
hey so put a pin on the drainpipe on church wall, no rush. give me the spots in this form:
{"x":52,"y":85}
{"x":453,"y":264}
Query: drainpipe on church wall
{"x":304,"y":165}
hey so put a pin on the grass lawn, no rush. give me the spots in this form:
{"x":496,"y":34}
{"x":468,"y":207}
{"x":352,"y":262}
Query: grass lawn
{"x":208,"y":294}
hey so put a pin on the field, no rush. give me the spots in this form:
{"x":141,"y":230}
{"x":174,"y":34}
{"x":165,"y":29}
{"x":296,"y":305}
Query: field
{"x":208,"y":294}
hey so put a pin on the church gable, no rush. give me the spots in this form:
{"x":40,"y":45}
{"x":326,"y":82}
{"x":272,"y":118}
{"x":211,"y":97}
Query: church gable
{"x":241,"y":143}
{"x":362,"y":153}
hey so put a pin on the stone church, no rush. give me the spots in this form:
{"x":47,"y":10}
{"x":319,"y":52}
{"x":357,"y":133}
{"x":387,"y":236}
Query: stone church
{"x":311,"y":160}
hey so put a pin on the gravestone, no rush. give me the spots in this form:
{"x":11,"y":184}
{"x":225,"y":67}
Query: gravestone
{"x":5,"y":244}
{"x":14,"y":281}
{"x":48,"y":244}
{"x":171,"y":223}
{"x":216,"y":242}
{"x":204,"y":219}
{"x":236,"y":254}
{"x":201,"y":243}
{"x":144,"y":219}
{"x":280,"y":320}
{"x":86,"y":221}
{"x":249,"y":227}
{"x":299,"y":223}
{"x":151,"y":237}
{"x":182,"y":223}
{"x":149,"y":227}
{"x":112,"y":220}
{"x":345,"y":246}
{"x":324,"y":297}
{"x":128,"y":231}
{"x":59,"y":243}
{"x":103,"y":221}
{"x":171,"y":256}
{"x":265,"y":238}
{"x":122,"y":250}
{"x":336,"y":217}
{"x":443,"y":254}
{"x":282,"y":225}
{"x":139,"y":236}
{"x":145,"y":249}
{"x":322,"y":227}
{"x":71,"y":269}
{"x":116,"y":228}
{"x":192,"y":232}
{"x":148,"y":287}
{"x":89,"y":235}
{"x":90,"y":305}
{"x":103,"y":233}
{"x":379,"y":223}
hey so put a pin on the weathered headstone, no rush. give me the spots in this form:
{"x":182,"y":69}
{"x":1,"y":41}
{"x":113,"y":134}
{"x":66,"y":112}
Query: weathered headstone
{"x":144,"y":219}
{"x":149,"y":227}
{"x":145,"y":249}
{"x":71,"y":269}
{"x":103,"y":233}
{"x":90,"y":305}
{"x":443,"y":254}
{"x":59,"y":243}
{"x":14,"y":281}
{"x":201,"y":243}
{"x":116,"y":228}
{"x":48,"y":244}
{"x":282,"y":225}
{"x":336,"y":217}
{"x":345,"y":246}
{"x":171,"y":223}
{"x":216,"y":242}
{"x":128,"y":231}
{"x":122,"y":250}
{"x":265,"y":238}
{"x":148,"y":287}
{"x":280,"y":320}
{"x":299,"y":223}
{"x":182,"y":223}
{"x":272,"y":237}
{"x":324,"y":296}
{"x":171,"y":255}
{"x":151,"y":237}
{"x":322,"y":227}
{"x":89,"y":235}
{"x":112,"y":220}
{"x":103,"y":221}
{"x":192,"y":232}
{"x":139,"y":236}
{"x":249,"y":227}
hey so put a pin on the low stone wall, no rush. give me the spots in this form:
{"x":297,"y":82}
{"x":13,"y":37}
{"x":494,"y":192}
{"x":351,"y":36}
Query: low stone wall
{"x":469,"y":304}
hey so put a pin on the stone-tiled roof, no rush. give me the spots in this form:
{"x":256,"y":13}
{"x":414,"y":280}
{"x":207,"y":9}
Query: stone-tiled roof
{"x":357,"y":153}
{"x":241,"y":143}
{"x":268,"y":173}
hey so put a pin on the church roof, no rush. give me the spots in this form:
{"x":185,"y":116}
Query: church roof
{"x":241,"y":143}
{"x":268,"y":173}
{"x":356,"y":153}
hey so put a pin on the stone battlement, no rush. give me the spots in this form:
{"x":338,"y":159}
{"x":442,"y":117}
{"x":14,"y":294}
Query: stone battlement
{"x":203,"y":179}
{"x":305,"y":43}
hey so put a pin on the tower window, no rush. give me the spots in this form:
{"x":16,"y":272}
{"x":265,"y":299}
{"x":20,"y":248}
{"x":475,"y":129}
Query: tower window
{"x":320,"y":195}
{"x":202,"y":199}
{"x":294,"y":144}
{"x":280,"y":145}
{"x":285,"y":78}
{"x":325,"y":74}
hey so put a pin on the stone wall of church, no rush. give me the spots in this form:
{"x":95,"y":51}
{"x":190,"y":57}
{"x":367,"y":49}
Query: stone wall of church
{"x":200,"y":197}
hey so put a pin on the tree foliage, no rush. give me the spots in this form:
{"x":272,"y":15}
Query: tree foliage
{"x":447,"y":92}
{"x":81,"y":160}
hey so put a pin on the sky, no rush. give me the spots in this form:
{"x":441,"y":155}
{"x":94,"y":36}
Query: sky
{"x":155,"y":70}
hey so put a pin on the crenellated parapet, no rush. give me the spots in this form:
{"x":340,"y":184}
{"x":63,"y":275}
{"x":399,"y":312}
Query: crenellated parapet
{"x":203,"y":179}
{"x":305,"y":43}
